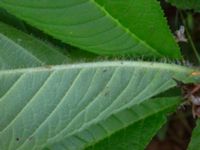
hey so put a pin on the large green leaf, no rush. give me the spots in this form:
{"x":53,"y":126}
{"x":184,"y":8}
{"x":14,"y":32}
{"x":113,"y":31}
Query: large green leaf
{"x":41,"y":106}
{"x":194,"y":143}
{"x":18,"y":50}
{"x":101,"y":26}
{"x":186,"y":4}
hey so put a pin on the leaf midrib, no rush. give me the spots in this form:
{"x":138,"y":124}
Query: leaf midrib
{"x":127,"y":30}
{"x":105,"y":64}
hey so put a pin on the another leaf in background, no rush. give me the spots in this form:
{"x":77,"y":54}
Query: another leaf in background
{"x":194,"y":143}
{"x":106,"y":27}
{"x":186,"y":4}
{"x":20,"y":50}
{"x":190,"y":21}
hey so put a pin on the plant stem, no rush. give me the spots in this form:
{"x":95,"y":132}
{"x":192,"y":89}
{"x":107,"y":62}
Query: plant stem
{"x":189,"y":37}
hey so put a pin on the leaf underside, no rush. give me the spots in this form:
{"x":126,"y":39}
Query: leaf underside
{"x":19,"y":50}
{"x":46,"y":105}
{"x":103,"y":26}
{"x":146,"y":119}
{"x":103,"y":105}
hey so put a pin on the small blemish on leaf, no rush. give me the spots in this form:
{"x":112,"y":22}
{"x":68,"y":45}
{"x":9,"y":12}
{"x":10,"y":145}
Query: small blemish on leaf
{"x":17,"y":139}
{"x":106,"y":93}
{"x":30,"y":138}
{"x":105,"y":70}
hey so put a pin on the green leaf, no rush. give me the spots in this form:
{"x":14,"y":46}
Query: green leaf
{"x":20,"y":50}
{"x":12,"y":20}
{"x":186,"y":4}
{"x":41,"y":106}
{"x":194,"y":143}
{"x":138,"y":125}
{"x":101,"y":26}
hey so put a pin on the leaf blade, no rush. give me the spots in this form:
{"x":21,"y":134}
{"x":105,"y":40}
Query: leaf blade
{"x":86,"y":24}
{"x":129,"y":14}
{"x":20,"y":50}
{"x":146,"y":118}
{"x":51,"y":108}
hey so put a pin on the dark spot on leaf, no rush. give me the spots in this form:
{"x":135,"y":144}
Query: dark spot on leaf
{"x":30,"y":138}
{"x":17,"y":139}
{"x":105,"y":70}
{"x":106,"y":93}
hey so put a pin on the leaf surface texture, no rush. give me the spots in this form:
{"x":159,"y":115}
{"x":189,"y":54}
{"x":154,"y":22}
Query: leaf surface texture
{"x":41,"y":106}
{"x":20,"y":50}
{"x":111,"y":27}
